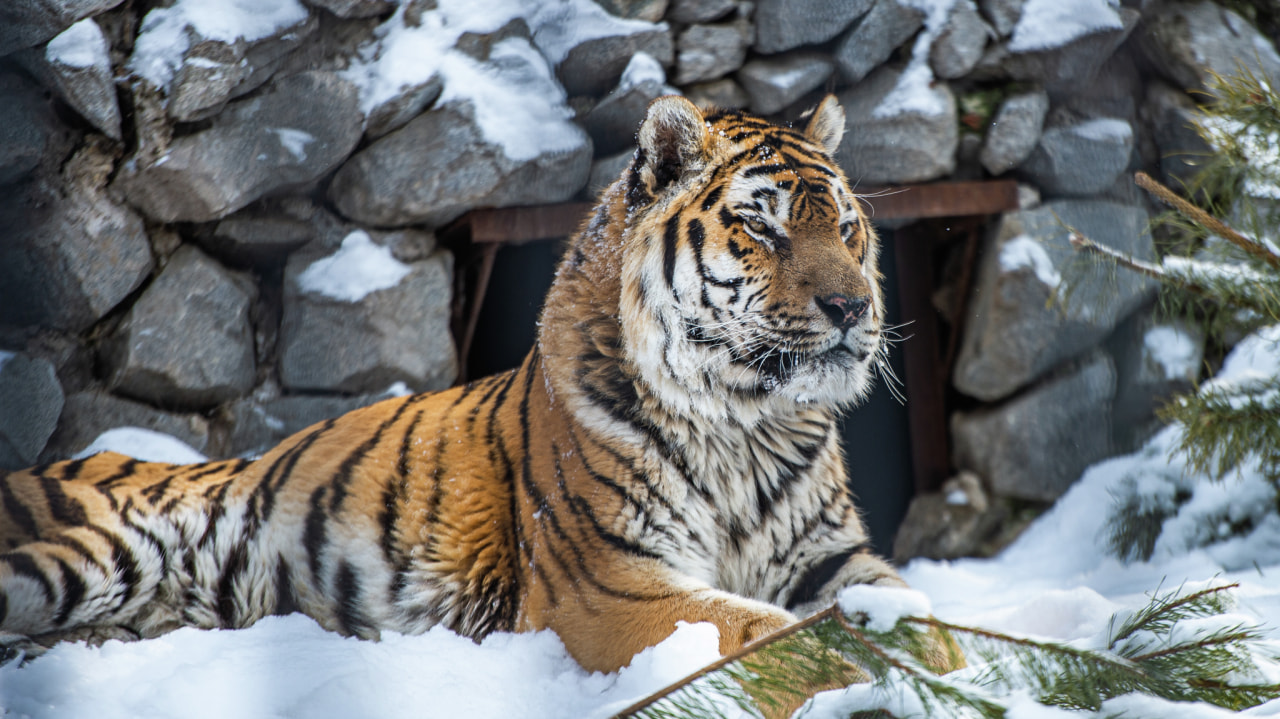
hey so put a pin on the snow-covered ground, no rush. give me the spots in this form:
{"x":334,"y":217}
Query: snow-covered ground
{"x":1057,"y":582}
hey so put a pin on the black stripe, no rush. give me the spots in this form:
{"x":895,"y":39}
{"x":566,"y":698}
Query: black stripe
{"x":73,"y":590}
{"x":286,"y":600}
{"x":23,"y":565}
{"x":670,"y":245}
{"x":346,"y":470}
{"x":282,"y":469}
{"x":64,"y":509}
{"x":350,"y":617}
{"x":16,"y":510}
{"x":314,"y":531}
{"x":71,"y":469}
{"x":712,"y":198}
{"x":157,"y":490}
{"x":806,"y":590}
{"x":237,"y":561}
{"x":124,"y":560}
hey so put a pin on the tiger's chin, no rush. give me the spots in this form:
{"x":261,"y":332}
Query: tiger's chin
{"x":837,"y":377}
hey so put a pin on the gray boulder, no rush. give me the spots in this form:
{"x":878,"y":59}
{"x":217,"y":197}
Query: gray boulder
{"x":1066,"y":65}
{"x":776,"y":82}
{"x":76,"y":65}
{"x":786,"y":24}
{"x":258,"y":426}
{"x":959,"y":521}
{"x":408,"y":103}
{"x":590,"y":63}
{"x":724,"y":93}
{"x":1154,"y":361}
{"x":873,"y":39}
{"x":612,"y":122}
{"x":1170,"y":114}
{"x":26,"y":23}
{"x":257,"y":237}
{"x":1035,"y":446}
{"x":695,"y":11}
{"x":1013,"y":333}
{"x":342,"y":334}
{"x":70,"y":253}
{"x":26,"y":127}
{"x":354,"y":8}
{"x":187,"y":341}
{"x":1083,"y":158}
{"x":1014,"y":131}
{"x":959,"y":46}
{"x":30,"y":403}
{"x":88,"y":414}
{"x":707,"y":52}
{"x":292,"y":134}
{"x":1002,"y":14}
{"x":441,"y":164}
{"x":650,"y":10}
{"x":1189,"y":40}
{"x":890,"y":142}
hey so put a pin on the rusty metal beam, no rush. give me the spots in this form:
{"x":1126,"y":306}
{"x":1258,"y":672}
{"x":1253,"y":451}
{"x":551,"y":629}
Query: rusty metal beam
{"x":941,"y":199}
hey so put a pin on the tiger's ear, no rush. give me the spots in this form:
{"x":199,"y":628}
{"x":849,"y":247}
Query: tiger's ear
{"x":673,"y":138}
{"x":826,"y":124}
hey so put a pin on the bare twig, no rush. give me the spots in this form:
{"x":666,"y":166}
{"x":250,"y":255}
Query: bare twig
{"x":1205,"y":220}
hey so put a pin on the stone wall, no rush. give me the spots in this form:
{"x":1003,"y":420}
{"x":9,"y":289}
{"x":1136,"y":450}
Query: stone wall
{"x":224,"y":230}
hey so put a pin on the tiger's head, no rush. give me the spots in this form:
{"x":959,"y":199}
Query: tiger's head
{"x":749,"y":270}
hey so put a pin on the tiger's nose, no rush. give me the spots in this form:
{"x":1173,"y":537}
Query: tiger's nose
{"x":843,"y":310}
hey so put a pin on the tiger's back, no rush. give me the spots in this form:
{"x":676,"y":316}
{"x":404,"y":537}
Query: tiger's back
{"x":668,"y":451}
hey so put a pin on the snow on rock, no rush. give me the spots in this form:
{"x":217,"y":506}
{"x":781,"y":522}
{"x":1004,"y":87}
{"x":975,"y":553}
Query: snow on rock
{"x":357,"y":269}
{"x":1048,"y":24}
{"x":916,"y":91}
{"x":1174,"y":350}
{"x":166,"y":32}
{"x":81,"y":45}
{"x":1022,"y":252}
{"x":883,"y":606}
{"x":144,"y":444}
{"x":561,"y":25}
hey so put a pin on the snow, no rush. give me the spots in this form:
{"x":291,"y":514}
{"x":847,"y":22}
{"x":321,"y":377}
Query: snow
{"x":517,"y":101}
{"x":915,"y":92}
{"x":1023,"y":252}
{"x":295,"y":141}
{"x":1058,"y":581}
{"x":1174,"y":350}
{"x":1201,"y":271}
{"x":359,"y":268}
{"x":144,"y":444}
{"x":82,"y":46}
{"x":165,"y":35}
{"x":1105,"y":129}
{"x":882,"y":606}
{"x":642,"y":68}
{"x":1046,"y":24}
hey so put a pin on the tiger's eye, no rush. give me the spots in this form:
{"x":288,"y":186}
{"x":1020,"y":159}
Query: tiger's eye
{"x":756,"y":226}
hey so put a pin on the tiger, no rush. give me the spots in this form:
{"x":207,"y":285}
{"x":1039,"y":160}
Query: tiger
{"x":667,"y":450}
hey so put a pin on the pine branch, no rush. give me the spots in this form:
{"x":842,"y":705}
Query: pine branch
{"x":1205,"y":220}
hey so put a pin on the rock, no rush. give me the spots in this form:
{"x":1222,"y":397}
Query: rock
{"x":956,"y":522}
{"x":76,"y":65}
{"x":292,"y":134}
{"x":607,"y":169}
{"x":786,"y":24}
{"x":1187,"y":41}
{"x":874,"y":38}
{"x":1066,"y":66}
{"x":354,"y":8}
{"x":252,"y":237}
{"x":187,"y":341}
{"x":89,"y":413}
{"x":696,"y":11}
{"x":1080,"y":159}
{"x":441,"y":164}
{"x":30,"y":403}
{"x":1013,"y":334}
{"x":589,"y":52}
{"x":356,"y":342}
{"x":219,"y":63}
{"x":1014,"y":131}
{"x":723,"y":93}
{"x":26,"y":125}
{"x":258,"y":426}
{"x":895,"y":142}
{"x":1154,"y":361}
{"x":1035,"y":446}
{"x":70,"y":254}
{"x":26,"y":23}
{"x":776,"y":82}
{"x":1002,"y":14}
{"x":959,"y":46}
{"x":650,"y":10}
{"x":407,"y":104}
{"x":612,"y":122}
{"x":707,"y":52}
{"x":1170,"y":114}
